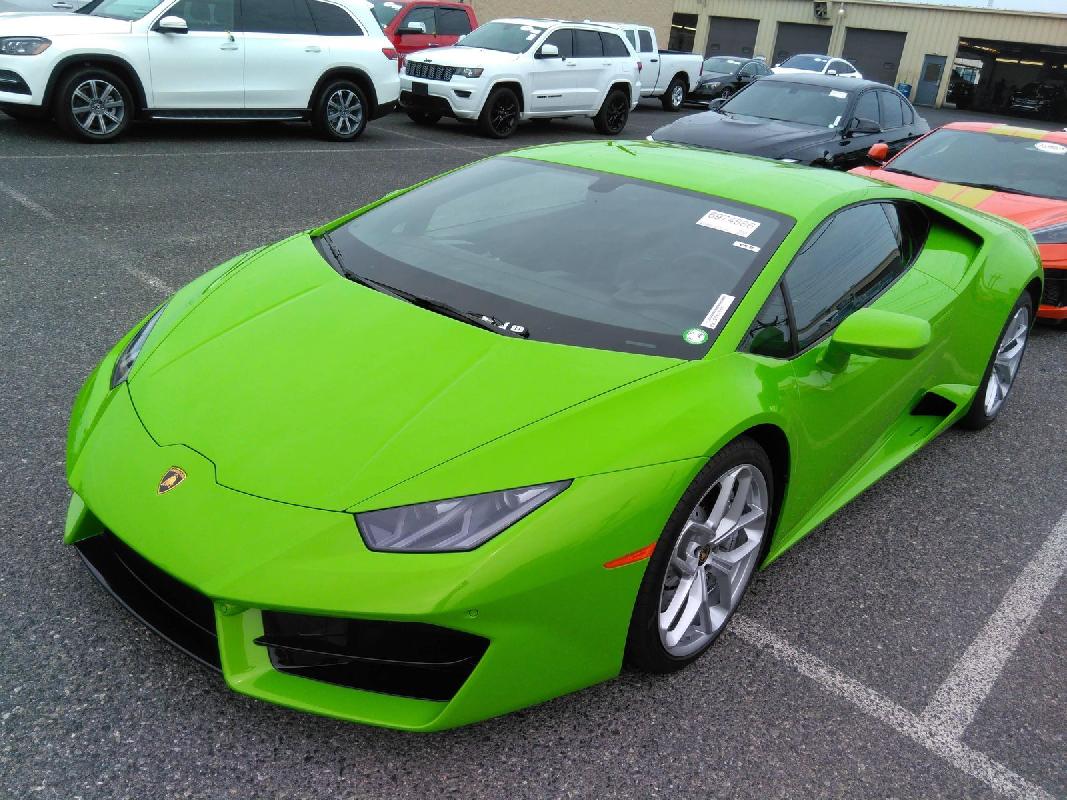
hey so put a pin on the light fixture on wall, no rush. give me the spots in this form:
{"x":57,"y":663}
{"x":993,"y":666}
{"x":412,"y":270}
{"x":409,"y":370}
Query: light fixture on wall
{"x":841,"y":10}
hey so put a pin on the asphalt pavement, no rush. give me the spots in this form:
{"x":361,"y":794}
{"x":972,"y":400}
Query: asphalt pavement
{"x":912,"y":647}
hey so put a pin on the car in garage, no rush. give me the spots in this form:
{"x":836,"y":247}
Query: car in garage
{"x":1041,"y":99}
{"x":510,"y":70}
{"x":1012,"y":172}
{"x":478,"y":443}
{"x":807,"y":119}
{"x":413,"y":25}
{"x":113,"y":61}
{"x":723,"y":76}
{"x":818,"y":64}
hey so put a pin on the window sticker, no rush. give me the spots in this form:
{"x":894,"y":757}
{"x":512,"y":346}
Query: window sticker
{"x":394,"y":6}
{"x":839,"y":95}
{"x":695,"y":336}
{"x":1051,"y":147}
{"x":718,"y":311}
{"x":836,"y":122}
{"x":746,"y":246}
{"x":728,"y":223}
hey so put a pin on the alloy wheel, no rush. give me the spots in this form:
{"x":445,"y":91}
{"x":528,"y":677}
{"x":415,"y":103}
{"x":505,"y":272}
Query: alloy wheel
{"x":1006,"y":361}
{"x":713,"y":560}
{"x":344,"y":112}
{"x":616,"y":116}
{"x":97,"y":106}
{"x":504,"y":115}
{"x":677,"y":95}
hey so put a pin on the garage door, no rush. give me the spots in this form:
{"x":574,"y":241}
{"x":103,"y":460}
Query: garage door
{"x":731,"y":36}
{"x":876,"y":53}
{"x":794,"y":38}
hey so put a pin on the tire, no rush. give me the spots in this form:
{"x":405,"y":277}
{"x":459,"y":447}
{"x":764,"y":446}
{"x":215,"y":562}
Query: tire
{"x":725,"y":94}
{"x":93,"y":105}
{"x":613,"y":114}
{"x":674,"y":98}
{"x":340,"y":112}
{"x":659,"y":640}
{"x":500,"y":114}
{"x":1003,"y":367}
{"x":423,"y":117}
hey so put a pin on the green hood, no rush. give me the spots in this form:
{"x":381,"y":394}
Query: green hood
{"x":304,"y":387}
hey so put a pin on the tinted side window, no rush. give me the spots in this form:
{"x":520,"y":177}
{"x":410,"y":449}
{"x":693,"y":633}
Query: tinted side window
{"x":850,"y":260}
{"x":453,"y":22}
{"x":205,"y":15}
{"x":911,"y":226}
{"x":614,"y":47}
{"x":564,"y":40}
{"x":633,"y":39}
{"x":769,"y":334}
{"x":867,"y":107}
{"x":909,"y":113}
{"x":892,"y":117}
{"x":587,"y":44}
{"x":646,"y":41}
{"x":423,"y":14}
{"x":331,"y":20}
{"x":276,"y":16}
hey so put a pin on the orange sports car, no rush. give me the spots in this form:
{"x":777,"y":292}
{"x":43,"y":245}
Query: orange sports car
{"x":1018,"y":173}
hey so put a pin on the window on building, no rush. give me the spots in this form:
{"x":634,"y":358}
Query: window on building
{"x":683,"y":32}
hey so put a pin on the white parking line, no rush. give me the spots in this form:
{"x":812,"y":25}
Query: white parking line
{"x":473,"y":149}
{"x":96,"y":153}
{"x":151,"y":281}
{"x":969,"y":683}
{"x":941,"y":742}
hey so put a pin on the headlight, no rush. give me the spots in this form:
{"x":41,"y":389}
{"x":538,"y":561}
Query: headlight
{"x":470,"y":72}
{"x":129,"y":355}
{"x":462,"y":523}
{"x":789,"y":160}
{"x":712,"y":84}
{"x":1053,"y":234}
{"x":24,"y":45}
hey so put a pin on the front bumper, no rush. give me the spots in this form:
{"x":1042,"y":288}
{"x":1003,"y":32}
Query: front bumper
{"x":24,"y":79}
{"x":553,"y":618}
{"x":460,"y":97}
{"x":1054,"y":297}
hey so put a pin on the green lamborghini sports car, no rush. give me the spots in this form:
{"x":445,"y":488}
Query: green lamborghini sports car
{"x":477,"y":444}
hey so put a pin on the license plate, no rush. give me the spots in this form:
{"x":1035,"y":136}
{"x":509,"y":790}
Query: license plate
{"x":420,"y":88}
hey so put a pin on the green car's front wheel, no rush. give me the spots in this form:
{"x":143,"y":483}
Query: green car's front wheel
{"x":1003,"y":366}
{"x":705,"y":559}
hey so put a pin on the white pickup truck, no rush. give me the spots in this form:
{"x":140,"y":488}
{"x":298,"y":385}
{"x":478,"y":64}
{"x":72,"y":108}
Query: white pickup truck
{"x":669,"y":75}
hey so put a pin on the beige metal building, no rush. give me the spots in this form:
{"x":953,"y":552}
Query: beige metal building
{"x":982,"y":54}
{"x":975,"y":57}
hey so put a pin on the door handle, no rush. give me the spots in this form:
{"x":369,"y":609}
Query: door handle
{"x":433,"y":45}
{"x":62,"y":5}
{"x":572,"y":63}
{"x":653,"y":60}
{"x":312,"y":48}
{"x":605,"y":63}
{"x":228,"y":46}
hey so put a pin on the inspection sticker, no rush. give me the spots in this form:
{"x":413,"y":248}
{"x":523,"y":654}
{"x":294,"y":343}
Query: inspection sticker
{"x":718,"y":311}
{"x":839,"y":95}
{"x":747,"y":246}
{"x":721,"y":221}
{"x":1051,"y":147}
{"x":695,"y":336}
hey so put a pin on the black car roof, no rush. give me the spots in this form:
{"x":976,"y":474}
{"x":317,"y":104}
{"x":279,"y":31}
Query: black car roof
{"x":829,"y":81}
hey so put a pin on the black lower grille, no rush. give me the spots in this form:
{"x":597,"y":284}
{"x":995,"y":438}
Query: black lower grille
{"x":1055,"y":288}
{"x":411,"y":659}
{"x":178,"y":613}
{"x":429,"y":72}
{"x":12,"y":82}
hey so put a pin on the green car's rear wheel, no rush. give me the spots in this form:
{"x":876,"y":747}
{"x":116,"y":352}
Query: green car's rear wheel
{"x":1003,"y":366}
{"x":702,"y":566}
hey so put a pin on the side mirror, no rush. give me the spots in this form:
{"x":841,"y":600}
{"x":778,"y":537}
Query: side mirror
{"x":879,"y":153}
{"x":883,"y":334}
{"x":864,"y":127}
{"x":172,"y":25}
{"x":416,"y":28}
{"x":716,"y":104}
{"x":548,"y":51}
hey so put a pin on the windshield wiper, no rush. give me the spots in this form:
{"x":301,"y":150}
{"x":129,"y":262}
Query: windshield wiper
{"x":483,"y":321}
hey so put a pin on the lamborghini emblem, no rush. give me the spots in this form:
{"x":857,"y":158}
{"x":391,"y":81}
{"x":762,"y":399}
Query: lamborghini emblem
{"x":171,"y":478}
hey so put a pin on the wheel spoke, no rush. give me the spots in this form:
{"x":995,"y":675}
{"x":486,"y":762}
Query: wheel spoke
{"x":695,"y":599}
{"x":668,"y":615}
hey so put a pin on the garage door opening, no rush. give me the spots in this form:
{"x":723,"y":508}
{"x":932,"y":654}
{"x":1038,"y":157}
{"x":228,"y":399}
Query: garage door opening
{"x":731,"y":36}
{"x":1015,"y":78}
{"x":875,"y":53}
{"x":794,"y":38}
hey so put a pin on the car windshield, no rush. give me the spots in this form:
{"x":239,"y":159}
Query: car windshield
{"x":385,"y":11}
{"x":790,"y":102}
{"x":573,"y":256}
{"x":1011,"y":163}
{"x":723,"y":65}
{"x":128,"y":10}
{"x":507,"y":37}
{"x":809,"y":63}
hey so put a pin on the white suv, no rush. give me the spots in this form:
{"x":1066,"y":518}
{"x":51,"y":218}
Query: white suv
{"x":97,"y":69}
{"x":514,"y":69}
